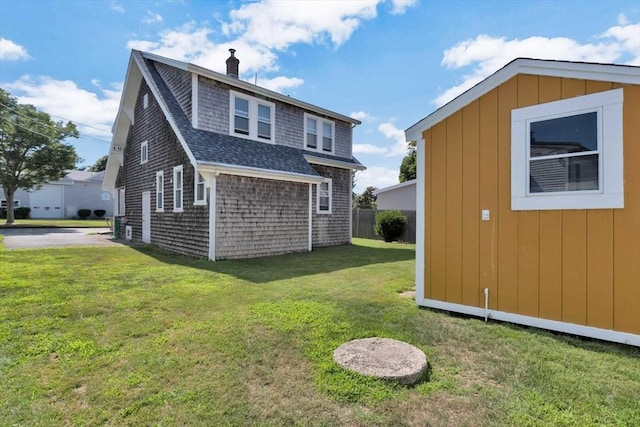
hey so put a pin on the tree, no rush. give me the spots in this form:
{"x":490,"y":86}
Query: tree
{"x":366,"y":200}
{"x":408,"y":165}
{"x":31,"y":148}
{"x":100,"y":164}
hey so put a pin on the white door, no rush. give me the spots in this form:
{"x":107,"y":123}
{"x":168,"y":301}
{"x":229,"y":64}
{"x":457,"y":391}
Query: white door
{"x":146,"y":217}
{"x":47,"y":202}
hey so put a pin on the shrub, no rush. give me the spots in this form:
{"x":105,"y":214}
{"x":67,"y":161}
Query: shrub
{"x":84,"y":213}
{"x":99,"y":212}
{"x":390,"y":225}
{"x":21,"y":213}
{"x":3,"y":213}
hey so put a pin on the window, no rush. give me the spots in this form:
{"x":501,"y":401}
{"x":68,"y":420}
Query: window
{"x":319,"y":134}
{"x":145,"y":101}
{"x":144,"y":152}
{"x":3,"y":203}
{"x":177,"y":189}
{"x":251,"y":117}
{"x":324,"y":196}
{"x":121,"y":207}
{"x":567,"y":154}
{"x":200,"y":197}
{"x":160,"y":191}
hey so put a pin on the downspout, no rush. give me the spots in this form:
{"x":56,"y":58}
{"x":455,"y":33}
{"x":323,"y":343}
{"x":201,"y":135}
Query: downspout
{"x":486,"y":304}
{"x":212,"y":217}
{"x":310,"y":230}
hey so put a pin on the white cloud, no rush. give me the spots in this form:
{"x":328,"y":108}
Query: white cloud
{"x":488,"y":54}
{"x":400,"y":6}
{"x":399,"y":148}
{"x":63,"y":98}
{"x":376,"y":176}
{"x":10,"y":51}
{"x":368,"y":149}
{"x":116,"y":7}
{"x":362,"y":116}
{"x":280,"y":83}
{"x":152,"y":18}
{"x":278,"y":24}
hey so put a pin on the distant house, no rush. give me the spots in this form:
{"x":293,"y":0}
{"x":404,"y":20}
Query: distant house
{"x":62,"y":199}
{"x":528,"y":199}
{"x":207,"y":165}
{"x":399,"y":196}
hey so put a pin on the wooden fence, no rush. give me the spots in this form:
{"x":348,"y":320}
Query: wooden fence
{"x":364,"y":219}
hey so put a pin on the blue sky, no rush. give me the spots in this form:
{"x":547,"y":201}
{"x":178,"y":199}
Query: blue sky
{"x":388,"y":63}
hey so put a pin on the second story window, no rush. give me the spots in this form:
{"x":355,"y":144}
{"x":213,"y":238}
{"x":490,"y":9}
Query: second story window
{"x":144,"y":152}
{"x":251,"y":117}
{"x":319,"y":134}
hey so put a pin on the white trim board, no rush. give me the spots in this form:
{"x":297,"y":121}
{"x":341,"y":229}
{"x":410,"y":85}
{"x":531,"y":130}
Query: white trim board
{"x":536,"y":322}
{"x":539,"y":67}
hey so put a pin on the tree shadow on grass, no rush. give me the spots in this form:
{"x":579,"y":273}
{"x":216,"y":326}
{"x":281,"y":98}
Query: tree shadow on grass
{"x":281,"y":267}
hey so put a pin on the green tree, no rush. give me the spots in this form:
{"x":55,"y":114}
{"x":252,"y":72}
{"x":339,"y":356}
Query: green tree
{"x":31,"y":148}
{"x":366,"y":200}
{"x":100,"y":164}
{"x":408,"y":165}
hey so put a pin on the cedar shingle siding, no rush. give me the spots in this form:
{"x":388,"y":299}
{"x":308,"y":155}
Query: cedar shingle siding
{"x":333,"y":229}
{"x":258,"y":217}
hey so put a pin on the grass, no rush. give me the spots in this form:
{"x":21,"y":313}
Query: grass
{"x":56,"y":223}
{"x":137,"y":336}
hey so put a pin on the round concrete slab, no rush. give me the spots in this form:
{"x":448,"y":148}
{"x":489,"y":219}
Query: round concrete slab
{"x":383,"y":358}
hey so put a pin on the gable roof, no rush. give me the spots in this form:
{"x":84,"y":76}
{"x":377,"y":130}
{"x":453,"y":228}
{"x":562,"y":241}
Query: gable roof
{"x":541,"y":67}
{"x":209,"y":150}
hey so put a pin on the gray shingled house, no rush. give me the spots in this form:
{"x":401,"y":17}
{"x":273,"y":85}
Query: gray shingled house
{"x":208,"y":165}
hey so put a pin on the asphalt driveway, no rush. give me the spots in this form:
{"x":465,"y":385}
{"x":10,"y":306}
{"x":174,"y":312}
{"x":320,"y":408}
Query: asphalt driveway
{"x":23,"y":238}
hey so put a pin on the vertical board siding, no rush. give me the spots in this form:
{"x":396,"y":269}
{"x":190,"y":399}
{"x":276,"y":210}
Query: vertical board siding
{"x":470,"y":204}
{"x":454,"y":209}
{"x":576,"y":266}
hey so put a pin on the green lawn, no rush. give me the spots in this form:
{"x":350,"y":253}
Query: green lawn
{"x":136,"y":336}
{"x":56,"y":223}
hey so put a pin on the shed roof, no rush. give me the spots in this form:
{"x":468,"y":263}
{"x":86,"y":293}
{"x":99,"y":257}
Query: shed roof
{"x":541,"y":67}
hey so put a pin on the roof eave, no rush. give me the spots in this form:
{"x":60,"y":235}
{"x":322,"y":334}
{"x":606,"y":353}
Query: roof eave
{"x":333,"y":163}
{"x":257,"y":172}
{"x":542,"y":67}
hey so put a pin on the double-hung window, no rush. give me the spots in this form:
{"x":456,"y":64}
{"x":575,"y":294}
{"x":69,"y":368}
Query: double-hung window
{"x":200,"y":196}
{"x":177,"y":189}
{"x":160,"y":191}
{"x":251,"y":117}
{"x":319,"y":134}
{"x":567,"y":154}
{"x":144,"y":152}
{"x":324,"y":196}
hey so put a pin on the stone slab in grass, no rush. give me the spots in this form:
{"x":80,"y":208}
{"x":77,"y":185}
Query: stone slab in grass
{"x":383,"y":358}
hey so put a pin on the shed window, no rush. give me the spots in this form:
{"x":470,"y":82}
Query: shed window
{"x":568,"y":154}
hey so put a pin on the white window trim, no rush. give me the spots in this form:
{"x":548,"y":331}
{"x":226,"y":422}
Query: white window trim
{"x":196,"y":201}
{"x":177,"y":188}
{"x":160,"y":191}
{"x":611,"y":192}
{"x":330,"y":182}
{"x":144,"y":152}
{"x":253,"y":117}
{"x":320,"y":134}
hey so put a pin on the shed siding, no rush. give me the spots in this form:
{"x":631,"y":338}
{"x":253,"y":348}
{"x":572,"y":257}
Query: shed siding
{"x":576,"y":266}
{"x":259,"y":217}
{"x":213,"y":106}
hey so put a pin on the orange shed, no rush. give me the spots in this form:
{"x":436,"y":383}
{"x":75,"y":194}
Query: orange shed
{"x":528,"y":199}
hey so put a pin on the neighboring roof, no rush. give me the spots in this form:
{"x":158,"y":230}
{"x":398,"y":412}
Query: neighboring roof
{"x":78,"y":175}
{"x":210,"y":149}
{"x":396,"y":186}
{"x":541,"y":67}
